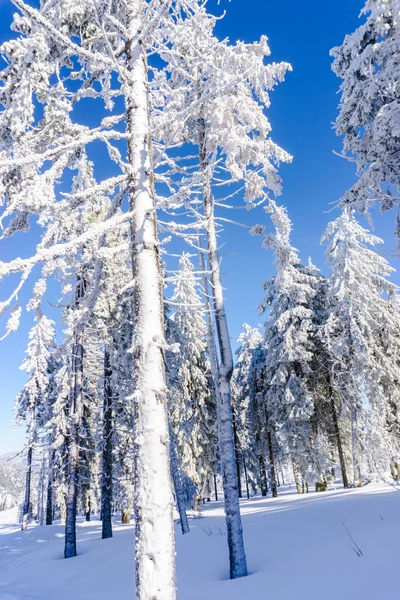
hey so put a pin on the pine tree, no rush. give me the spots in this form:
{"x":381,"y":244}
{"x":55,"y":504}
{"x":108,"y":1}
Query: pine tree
{"x":367,"y":62}
{"x":31,"y":402}
{"x":362,"y":330}
{"x":288,"y":400}
{"x":192,"y":407}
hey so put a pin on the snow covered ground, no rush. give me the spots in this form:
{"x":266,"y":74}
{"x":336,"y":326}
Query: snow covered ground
{"x":297,"y":547}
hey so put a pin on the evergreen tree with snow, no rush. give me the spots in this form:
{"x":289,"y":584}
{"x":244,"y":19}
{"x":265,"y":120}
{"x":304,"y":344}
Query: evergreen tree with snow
{"x":362,"y":329}
{"x":192,"y":407}
{"x":31,"y":406}
{"x":369,"y":111}
{"x":288,"y":400}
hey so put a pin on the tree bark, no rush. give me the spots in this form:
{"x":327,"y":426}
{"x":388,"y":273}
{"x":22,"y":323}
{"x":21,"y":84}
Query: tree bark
{"x":355,"y":451}
{"x":49,"y":498}
{"x":26,"y":509}
{"x":215,"y":488}
{"x":125,"y":516}
{"x":106,"y":479}
{"x":336,"y":428}
{"x":153,"y":501}
{"x":263,"y":476}
{"x":246,"y":477}
{"x":237,"y":557}
{"x":176,"y":478}
{"x":274,"y":488}
{"x":237,"y":454}
{"x":75,"y":412}
{"x":296,"y":476}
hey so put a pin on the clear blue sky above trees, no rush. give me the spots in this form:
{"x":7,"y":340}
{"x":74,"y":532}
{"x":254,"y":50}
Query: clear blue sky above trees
{"x":302,"y":112}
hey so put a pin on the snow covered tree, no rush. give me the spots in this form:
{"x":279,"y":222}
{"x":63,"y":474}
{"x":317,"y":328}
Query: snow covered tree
{"x":192,"y":407}
{"x":362,"y":329}
{"x":249,"y":340}
{"x":223,"y":100}
{"x":369,"y":116}
{"x":30,"y":403}
{"x":288,"y":401}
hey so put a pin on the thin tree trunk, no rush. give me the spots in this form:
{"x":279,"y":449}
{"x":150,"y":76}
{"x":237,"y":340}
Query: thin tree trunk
{"x":263,"y":476}
{"x":274,"y":488}
{"x":215,"y":488}
{"x":49,"y":498}
{"x":88,"y":511}
{"x":106,"y":479}
{"x":176,"y":478}
{"x":237,"y":557}
{"x":246,"y":477}
{"x":76,"y":406}
{"x":153,"y":501}
{"x":26,"y":509}
{"x":125,"y":516}
{"x":357,"y":481}
{"x":41,"y":493}
{"x":237,"y":454}
{"x":296,"y":476}
{"x":336,"y":428}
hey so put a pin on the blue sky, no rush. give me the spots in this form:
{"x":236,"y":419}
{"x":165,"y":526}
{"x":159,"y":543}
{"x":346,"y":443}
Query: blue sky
{"x":302,"y":112}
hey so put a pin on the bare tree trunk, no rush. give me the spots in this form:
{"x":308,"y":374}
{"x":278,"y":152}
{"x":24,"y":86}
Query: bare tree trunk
{"x":246,"y":477}
{"x":153,"y":501}
{"x":263,"y":476}
{"x":49,"y":498}
{"x":215,"y":488}
{"x":237,"y":557}
{"x":272,"y":463}
{"x":125,"y":516}
{"x":75,"y":412}
{"x":41,"y":493}
{"x":338,"y":438}
{"x":106,"y":479}
{"x":26,"y":509}
{"x":297,"y":476}
{"x":176,"y":478}
{"x":88,"y":513}
{"x":355,"y":452}
{"x":237,"y":454}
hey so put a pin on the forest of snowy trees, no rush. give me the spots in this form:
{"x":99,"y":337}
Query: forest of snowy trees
{"x":128,"y":130}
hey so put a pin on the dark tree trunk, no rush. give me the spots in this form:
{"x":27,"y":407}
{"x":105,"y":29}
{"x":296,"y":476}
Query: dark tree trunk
{"x":237,"y":454}
{"x":26,"y":509}
{"x":49,"y":498}
{"x":338,"y":438}
{"x":75,"y":412}
{"x":263,"y":476}
{"x":106,"y":480}
{"x":215,"y":488}
{"x":176,"y":478}
{"x":274,"y":488}
{"x":88,"y":512}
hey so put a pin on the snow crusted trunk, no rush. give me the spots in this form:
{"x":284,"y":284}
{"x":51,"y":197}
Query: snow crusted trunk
{"x":41,"y":492}
{"x":237,"y":557}
{"x":106,"y":480}
{"x":26,"y":509}
{"x":75,"y":411}
{"x":263,"y":476}
{"x":176,"y":478}
{"x":153,"y":501}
